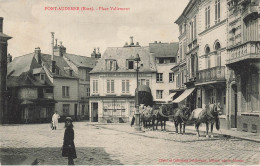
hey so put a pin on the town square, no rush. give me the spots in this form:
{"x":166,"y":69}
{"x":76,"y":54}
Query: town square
{"x":119,"y":82}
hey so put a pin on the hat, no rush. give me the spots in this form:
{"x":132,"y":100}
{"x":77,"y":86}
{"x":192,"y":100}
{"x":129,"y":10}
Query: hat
{"x":68,"y":119}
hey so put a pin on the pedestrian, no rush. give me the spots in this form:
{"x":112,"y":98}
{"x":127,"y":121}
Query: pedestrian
{"x":68,"y":148}
{"x":55,"y":121}
{"x":133,"y":121}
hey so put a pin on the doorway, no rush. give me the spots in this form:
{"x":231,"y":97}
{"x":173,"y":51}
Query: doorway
{"x":76,"y":111}
{"x":234,"y":106}
{"x":94,"y":112}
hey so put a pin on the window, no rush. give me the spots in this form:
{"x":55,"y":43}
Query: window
{"x":207,"y":17}
{"x":159,"y":94}
{"x":171,"y":77}
{"x":172,"y":60}
{"x":49,"y":90}
{"x":125,"y":86}
{"x":195,"y":30}
{"x":42,"y":77}
{"x":111,"y":65}
{"x":82,"y":109}
{"x":70,"y":72}
{"x":159,"y":77}
{"x":161,"y":60}
{"x":130,"y":64}
{"x":95,"y":86}
{"x":191,"y":31}
{"x":180,"y":52}
{"x":65,"y":91}
{"x":49,"y":112}
{"x":110,"y":86}
{"x":207,"y":49}
{"x":144,"y":82}
{"x":66,"y":109}
{"x":57,"y":71}
{"x":88,"y":91}
{"x":217,"y":11}
{"x":180,"y":29}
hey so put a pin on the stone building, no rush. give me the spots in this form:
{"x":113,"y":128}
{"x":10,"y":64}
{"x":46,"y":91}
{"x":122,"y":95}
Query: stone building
{"x":3,"y":71}
{"x":243,"y":84}
{"x":165,"y":55}
{"x":30,"y":92}
{"x":82,"y":65}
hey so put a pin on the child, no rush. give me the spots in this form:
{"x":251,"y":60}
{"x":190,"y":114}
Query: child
{"x":68,"y":148}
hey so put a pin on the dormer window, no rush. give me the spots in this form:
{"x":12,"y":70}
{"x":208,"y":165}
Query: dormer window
{"x":42,"y":76}
{"x":111,"y":65}
{"x":130,"y":64}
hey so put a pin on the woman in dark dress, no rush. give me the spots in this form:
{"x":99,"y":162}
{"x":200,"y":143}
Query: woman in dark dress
{"x":68,"y":148}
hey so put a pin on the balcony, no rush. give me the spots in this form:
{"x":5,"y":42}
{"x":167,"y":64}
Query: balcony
{"x":246,"y":51}
{"x":250,"y":10}
{"x":215,"y":74}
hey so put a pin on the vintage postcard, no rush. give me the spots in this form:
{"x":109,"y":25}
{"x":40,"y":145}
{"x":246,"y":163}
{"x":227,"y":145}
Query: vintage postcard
{"x":129,"y":82}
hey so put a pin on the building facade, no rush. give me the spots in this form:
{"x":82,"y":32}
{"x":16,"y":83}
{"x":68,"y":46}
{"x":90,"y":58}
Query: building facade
{"x":3,"y":71}
{"x":82,"y":65}
{"x":30,"y":93}
{"x":165,"y":56}
{"x":223,"y":48}
{"x":212,"y":73}
{"x":243,"y":85}
{"x":113,"y":82}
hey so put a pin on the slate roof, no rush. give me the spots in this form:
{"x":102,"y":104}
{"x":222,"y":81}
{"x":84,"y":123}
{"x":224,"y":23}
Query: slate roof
{"x":164,"y":49}
{"x":81,"y":61}
{"x":19,"y":72}
{"x":60,"y":63}
{"x":121,"y":54}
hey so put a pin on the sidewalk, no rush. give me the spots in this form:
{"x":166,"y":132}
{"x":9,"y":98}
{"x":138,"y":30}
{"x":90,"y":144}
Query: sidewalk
{"x":226,"y":133}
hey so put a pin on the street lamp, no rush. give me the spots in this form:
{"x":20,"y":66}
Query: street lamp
{"x":137,"y":113}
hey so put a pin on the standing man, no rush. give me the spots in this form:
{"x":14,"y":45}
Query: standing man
{"x":55,"y":122}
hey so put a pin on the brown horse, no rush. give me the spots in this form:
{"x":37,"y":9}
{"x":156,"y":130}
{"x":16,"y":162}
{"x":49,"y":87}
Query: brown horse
{"x":181,"y":116}
{"x":208,"y":115}
{"x":163,"y":115}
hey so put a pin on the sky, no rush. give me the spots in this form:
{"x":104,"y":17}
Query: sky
{"x":29,"y":22}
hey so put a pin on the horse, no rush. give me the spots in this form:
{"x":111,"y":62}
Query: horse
{"x":163,"y":115}
{"x":208,"y":115}
{"x":147,"y":115}
{"x":180,"y":117}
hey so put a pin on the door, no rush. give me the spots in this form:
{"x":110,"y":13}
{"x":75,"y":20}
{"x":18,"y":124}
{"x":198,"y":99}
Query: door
{"x":76,"y":111}
{"x":94,"y":115}
{"x":234,"y":106}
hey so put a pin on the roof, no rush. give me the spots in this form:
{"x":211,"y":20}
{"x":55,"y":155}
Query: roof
{"x":60,"y":64}
{"x":164,"y":49}
{"x":121,"y":54}
{"x":189,"y":6}
{"x":81,"y":61}
{"x":22,"y":64}
{"x":2,"y":35}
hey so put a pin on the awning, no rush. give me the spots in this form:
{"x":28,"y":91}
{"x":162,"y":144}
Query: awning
{"x":26,"y":102}
{"x":184,"y":95}
{"x":169,"y":98}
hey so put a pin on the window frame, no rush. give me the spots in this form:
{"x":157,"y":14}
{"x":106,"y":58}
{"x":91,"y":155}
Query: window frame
{"x":159,"y":77}
{"x":65,"y":91}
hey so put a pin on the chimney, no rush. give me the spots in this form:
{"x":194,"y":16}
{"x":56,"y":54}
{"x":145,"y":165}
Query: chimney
{"x":37,"y":55}
{"x":155,"y":42}
{"x":131,"y":40}
{"x":52,"y":56}
{"x":56,"y":42}
{"x":9,"y":58}
{"x":160,"y":42}
{"x":1,"y":24}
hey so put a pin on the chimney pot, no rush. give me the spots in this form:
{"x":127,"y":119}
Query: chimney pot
{"x":131,"y":40}
{"x":155,"y":42}
{"x":137,"y":43}
{"x":1,"y":24}
{"x":37,"y":55}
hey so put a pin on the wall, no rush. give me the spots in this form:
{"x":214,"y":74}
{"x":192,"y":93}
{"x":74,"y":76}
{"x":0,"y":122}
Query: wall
{"x":27,"y":93}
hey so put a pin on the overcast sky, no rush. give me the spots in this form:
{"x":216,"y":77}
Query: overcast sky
{"x":30,"y":24}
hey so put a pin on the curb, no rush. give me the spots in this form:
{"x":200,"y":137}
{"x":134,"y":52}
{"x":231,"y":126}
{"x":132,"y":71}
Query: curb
{"x":225,"y":135}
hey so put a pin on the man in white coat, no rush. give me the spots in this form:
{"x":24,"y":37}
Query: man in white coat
{"x":55,"y":121}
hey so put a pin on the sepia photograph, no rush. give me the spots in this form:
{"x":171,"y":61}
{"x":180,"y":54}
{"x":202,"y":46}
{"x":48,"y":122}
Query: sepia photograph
{"x":129,"y":82}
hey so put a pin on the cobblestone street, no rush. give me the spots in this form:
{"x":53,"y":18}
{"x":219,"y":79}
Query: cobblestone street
{"x":116,"y":144}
